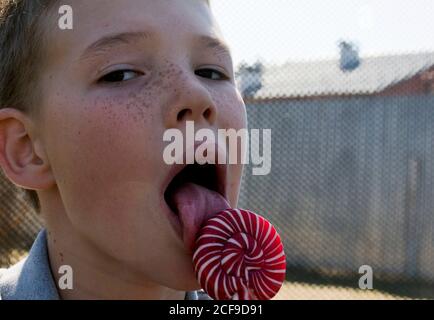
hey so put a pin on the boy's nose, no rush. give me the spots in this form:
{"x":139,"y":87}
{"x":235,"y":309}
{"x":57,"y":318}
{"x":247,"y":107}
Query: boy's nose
{"x":191,"y":102}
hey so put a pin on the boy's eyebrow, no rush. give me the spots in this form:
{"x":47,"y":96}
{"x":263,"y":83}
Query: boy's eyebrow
{"x":110,"y":41}
{"x":214,"y":44}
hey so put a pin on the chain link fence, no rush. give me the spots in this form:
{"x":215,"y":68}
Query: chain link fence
{"x":351,"y":185}
{"x":19,"y":224}
{"x":351,"y":181}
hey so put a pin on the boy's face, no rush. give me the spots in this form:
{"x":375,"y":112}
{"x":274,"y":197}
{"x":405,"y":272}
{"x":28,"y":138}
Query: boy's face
{"x":104,"y":113}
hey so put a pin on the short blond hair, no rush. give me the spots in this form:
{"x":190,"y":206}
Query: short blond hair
{"x":21,"y":50}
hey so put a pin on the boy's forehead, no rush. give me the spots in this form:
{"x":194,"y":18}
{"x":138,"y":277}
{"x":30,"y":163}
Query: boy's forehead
{"x":102,"y":21}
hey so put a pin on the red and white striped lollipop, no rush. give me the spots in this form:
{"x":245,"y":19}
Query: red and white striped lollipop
{"x":239,"y":255}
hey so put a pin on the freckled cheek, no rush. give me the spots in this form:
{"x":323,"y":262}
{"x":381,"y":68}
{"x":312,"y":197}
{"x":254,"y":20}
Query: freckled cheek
{"x":106,"y":146}
{"x":104,"y":166}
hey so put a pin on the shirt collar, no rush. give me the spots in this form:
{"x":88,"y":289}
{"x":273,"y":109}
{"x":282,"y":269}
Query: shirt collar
{"x":31,"y":279}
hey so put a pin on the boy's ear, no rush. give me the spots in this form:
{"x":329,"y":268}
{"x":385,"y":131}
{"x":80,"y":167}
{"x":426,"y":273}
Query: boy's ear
{"x":22,"y":159}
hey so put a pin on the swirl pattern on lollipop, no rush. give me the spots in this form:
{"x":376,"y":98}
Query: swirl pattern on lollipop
{"x":239,"y":255}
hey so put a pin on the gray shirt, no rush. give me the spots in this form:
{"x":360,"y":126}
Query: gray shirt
{"x":31,"y":278}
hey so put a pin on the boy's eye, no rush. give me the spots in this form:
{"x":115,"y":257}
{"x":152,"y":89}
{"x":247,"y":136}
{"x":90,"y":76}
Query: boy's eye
{"x":120,"y":76}
{"x":211,"y":74}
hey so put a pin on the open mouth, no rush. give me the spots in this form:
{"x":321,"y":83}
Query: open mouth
{"x":209,"y":176}
{"x":194,"y":195}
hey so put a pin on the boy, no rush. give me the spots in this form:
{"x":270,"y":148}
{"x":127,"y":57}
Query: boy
{"x":82,"y":119}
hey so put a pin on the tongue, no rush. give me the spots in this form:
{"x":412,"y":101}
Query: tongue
{"x":195,"y":205}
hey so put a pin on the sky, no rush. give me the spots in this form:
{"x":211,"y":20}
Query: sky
{"x":280,"y":30}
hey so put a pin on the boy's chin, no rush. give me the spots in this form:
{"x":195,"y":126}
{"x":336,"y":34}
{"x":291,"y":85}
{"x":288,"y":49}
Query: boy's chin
{"x":185,"y":284}
{"x":180,"y":278}
{"x":185,"y":279}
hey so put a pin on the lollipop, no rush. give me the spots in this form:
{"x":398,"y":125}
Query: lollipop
{"x":239,"y":255}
